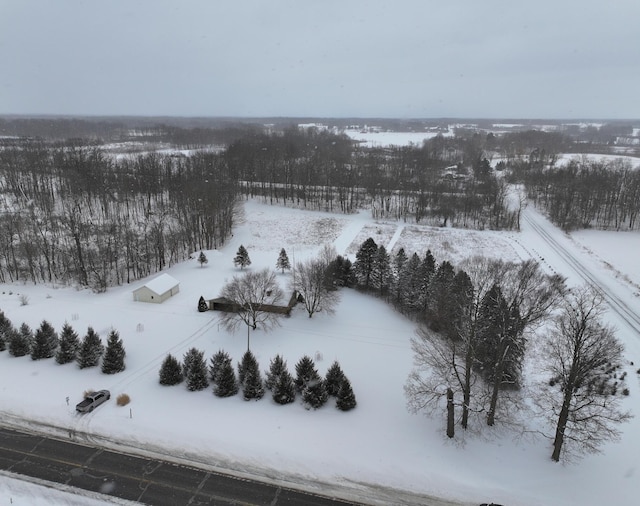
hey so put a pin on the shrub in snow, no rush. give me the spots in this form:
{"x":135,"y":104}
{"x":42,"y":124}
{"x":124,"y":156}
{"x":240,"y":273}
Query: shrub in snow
{"x":248,"y":362}
{"x":90,"y":350}
{"x":170,"y":371}
{"x":123,"y":400}
{"x":202,"y":259}
{"x":202,"y":305}
{"x":68,"y":345}
{"x":113,"y":360}
{"x":333,"y":379}
{"x":253,"y":387}
{"x":346,"y":399}
{"x":242,"y":259}
{"x":6,"y":331}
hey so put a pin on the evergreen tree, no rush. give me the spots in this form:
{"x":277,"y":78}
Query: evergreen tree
{"x":202,"y":305}
{"x":6,"y":331}
{"x":340,"y":274}
{"x":45,"y":342}
{"x":426,"y":274}
{"x":283,"y":261}
{"x":440,"y":297}
{"x":364,"y":263}
{"x":242,"y":259}
{"x":346,"y":399}
{"x":305,"y":373}
{"x":113,"y":360}
{"x":333,"y":379}
{"x":315,"y":394}
{"x":69,"y":343}
{"x":284,"y":389}
{"x":20,"y":341}
{"x":218,"y":359}
{"x":202,"y":259}
{"x":408,"y":287}
{"x":253,"y":386}
{"x":247,"y":363}
{"x":226,"y":384}
{"x":90,"y":350}
{"x":399,"y":261}
{"x":277,"y":366}
{"x":170,"y":371}
{"x":381,"y":272}
{"x":195,"y":370}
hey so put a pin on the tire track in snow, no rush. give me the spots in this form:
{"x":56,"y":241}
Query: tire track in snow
{"x":616,"y":304}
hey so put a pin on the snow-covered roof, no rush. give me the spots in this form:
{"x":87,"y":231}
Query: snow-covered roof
{"x":161,"y":284}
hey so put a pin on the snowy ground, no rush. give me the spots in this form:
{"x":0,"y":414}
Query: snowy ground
{"x":374,"y":451}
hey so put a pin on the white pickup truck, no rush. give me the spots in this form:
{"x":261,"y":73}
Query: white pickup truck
{"x":93,"y":400}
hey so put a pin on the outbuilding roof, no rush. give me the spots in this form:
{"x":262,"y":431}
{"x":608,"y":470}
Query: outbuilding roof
{"x":162,"y":284}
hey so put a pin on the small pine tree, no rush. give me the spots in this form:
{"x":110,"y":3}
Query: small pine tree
{"x":202,"y":259}
{"x":90,"y":350}
{"x":242,"y":258}
{"x":277,"y":366}
{"x":247,"y":363}
{"x":195,"y":370}
{"x":253,"y":386}
{"x":202,"y":305}
{"x":217,"y":362}
{"x":305,"y":372}
{"x":69,"y":343}
{"x":170,"y":371}
{"x":20,"y":341}
{"x":284,"y":389}
{"x":333,"y":379}
{"x":283,"y":261}
{"x":45,"y":342}
{"x":6,"y":331}
{"x":314,"y":394}
{"x":113,"y":360}
{"x":346,"y":399}
{"x":226,"y":384}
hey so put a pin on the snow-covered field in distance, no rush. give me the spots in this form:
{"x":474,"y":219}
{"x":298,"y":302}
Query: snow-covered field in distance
{"x":373,"y":450}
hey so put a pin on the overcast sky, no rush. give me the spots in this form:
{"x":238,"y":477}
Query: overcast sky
{"x":400,"y":58}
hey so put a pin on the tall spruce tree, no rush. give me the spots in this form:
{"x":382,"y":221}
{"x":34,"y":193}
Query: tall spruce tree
{"x":440,"y":296}
{"x":253,"y":386}
{"x":218,"y":359}
{"x":247,"y":363}
{"x":409,"y":285}
{"x":195,"y":370}
{"x":346,"y":399}
{"x":170,"y":371}
{"x":315,"y":394}
{"x":69,"y":343}
{"x":283,"y":261}
{"x":113,"y":360}
{"x":306,"y":373}
{"x":381,"y":272}
{"x":242,"y":259}
{"x":365,"y":261}
{"x":6,"y":330}
{"x":20,"y":341}
{"x":277,"y":366}
{"x":333,"y":378}
{"x":284,"y":389}
{"x":45,"y":342}
{"x":90,"y":350}
{"x":226,"y":384}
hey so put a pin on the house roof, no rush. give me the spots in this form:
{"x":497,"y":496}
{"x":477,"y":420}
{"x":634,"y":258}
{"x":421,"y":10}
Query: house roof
{"x":161,"y":284}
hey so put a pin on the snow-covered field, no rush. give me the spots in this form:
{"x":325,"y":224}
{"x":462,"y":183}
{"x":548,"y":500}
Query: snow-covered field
{"x":375,"y":451}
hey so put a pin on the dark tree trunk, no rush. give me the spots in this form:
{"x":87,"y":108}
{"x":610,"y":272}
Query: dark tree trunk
{"x":450,"y":414}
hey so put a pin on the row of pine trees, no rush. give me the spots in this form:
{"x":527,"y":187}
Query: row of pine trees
{"x":284,"y":387}
{"x":65,"y":347}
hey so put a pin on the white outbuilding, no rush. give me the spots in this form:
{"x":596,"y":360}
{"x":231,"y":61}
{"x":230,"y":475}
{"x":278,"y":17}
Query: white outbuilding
{"x":157,"y":290}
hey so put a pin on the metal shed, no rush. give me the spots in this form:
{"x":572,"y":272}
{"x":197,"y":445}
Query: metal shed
{"x":157,"y":290}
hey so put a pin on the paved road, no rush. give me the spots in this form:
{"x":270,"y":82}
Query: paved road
{"x":138,"y":479}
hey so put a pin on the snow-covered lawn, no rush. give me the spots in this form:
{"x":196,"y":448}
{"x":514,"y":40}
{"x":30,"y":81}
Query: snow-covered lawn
{"x":375,"y":450}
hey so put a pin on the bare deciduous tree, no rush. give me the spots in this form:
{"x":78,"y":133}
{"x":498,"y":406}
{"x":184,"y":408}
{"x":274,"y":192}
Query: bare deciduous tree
{"x":251,"y":294}
{"x":581,"y":398}
{"x":311,"y":282}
